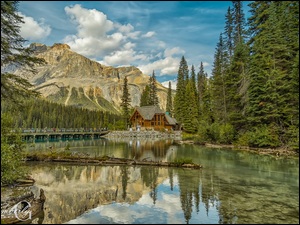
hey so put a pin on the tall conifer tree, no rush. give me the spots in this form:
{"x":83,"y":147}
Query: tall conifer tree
{"x":190,"y":119}
{"x":229,"y":36}
{"x":15,"y":88}
{"x":169,"y":105}
{"x":219,"y":92}
{"x":194,"y":87}
{"x":274,"y":46}
{"x":145,"y":96}
{"x":179,"y":99}
{"x":125,"y":104}
{"x":153,"y":98}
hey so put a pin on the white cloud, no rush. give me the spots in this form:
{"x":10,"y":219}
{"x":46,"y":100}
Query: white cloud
{"x":124,"y":28}
{"x":122,"y":57}
{"x":134,"y":35}
{"x":118,"y":44}
{"x":33,"y":30}
{"x":205,"y":64}
{"x":168,"y":65}
{"x":91,"y":46}
{"x":91,"y":23}
{"x":173,"y":84}
{"x":173,"y":51}
{"x":92,"y":39}
{"x":129,"y":45}
{"x":149,"y":34}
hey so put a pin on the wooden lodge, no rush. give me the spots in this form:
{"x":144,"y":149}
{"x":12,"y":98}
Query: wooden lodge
{"x":152,"y":117}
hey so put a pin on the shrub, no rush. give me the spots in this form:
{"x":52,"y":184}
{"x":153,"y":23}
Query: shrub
{"x":264,"y":136}
{"x":12,"y":152}
{"x":203,"y":131}
{"x":227,"y":133}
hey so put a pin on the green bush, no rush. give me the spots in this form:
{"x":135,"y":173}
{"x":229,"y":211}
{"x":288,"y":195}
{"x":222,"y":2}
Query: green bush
{"x":227,"y":133}
{"x":243,"y":139}
{"x":187,"y":136}
{"x":203,"y":131}
{"x":12,"y":152}
{"x":292,"y":136}
{"x":214,"y":133}
{"x":264,"y":136}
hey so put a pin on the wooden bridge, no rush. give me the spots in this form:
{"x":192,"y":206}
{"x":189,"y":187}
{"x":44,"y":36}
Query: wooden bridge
{"x":62,"y":134}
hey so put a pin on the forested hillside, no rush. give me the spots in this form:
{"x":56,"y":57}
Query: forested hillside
{"x":41,"y":114}
{"x":252,"y":97}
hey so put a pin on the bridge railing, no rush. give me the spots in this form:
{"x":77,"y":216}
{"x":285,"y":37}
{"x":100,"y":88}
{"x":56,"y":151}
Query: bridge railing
{"x":61,"y":130}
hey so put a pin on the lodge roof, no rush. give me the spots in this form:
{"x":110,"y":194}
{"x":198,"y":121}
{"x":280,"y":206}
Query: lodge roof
{"x":171,"y":120}
{"x":148,"y":112}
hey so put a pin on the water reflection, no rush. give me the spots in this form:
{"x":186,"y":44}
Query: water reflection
{"x":233,"y":187}
{"x":150,"y":149}
{"x":73,"y":190}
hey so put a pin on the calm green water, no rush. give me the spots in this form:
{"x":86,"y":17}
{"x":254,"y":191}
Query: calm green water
{"x":233,"y":187}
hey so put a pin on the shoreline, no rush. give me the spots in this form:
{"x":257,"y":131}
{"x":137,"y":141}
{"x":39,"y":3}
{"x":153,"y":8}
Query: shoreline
{"x":276,"y":152}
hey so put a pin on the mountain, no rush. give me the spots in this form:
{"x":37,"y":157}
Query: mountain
{"x":72,"y":79}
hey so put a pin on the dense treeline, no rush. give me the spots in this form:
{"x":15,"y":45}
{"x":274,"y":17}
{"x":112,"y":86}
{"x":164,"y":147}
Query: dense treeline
{"x":39,"y":113}
{"x":252,"y":97}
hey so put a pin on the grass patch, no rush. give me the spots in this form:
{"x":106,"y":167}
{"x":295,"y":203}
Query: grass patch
{"x":181,"y":161}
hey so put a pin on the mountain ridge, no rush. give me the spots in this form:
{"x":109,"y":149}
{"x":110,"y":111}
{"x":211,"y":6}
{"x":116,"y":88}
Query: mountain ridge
{"x":72,"y":79}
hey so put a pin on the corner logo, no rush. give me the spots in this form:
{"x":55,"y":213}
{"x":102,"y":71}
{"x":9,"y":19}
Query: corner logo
{"x":21,"y":210}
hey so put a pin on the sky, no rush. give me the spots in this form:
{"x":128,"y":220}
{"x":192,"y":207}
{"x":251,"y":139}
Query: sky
{"x":151,"y":35}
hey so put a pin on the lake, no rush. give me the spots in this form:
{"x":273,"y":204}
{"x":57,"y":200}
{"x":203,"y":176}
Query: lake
{"x":233,"y":186}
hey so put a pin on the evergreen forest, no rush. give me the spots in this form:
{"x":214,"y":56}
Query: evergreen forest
{"x":252,"y":97}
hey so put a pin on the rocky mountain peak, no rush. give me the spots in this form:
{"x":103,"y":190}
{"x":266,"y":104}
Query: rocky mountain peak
{"x":60,"y":46}
{"x":72,"y":79}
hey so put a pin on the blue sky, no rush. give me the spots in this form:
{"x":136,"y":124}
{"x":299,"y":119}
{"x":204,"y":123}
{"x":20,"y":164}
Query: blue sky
{"x":151,"y":35}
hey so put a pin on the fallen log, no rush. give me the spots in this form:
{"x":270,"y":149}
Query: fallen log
{"x":119,"y":161}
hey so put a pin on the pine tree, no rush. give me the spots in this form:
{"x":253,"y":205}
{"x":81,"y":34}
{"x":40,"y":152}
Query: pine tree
{"x":145,"y":96}
{"x":219,"y":92}
{"x":203,"y":94}
{"x":274,"y":27}
{"x":14,"y":55}
{"x":169,"y":105}
{"x":194,"y":88}
{"x":125,"y":104}
{"x":13,"y":89}
{"x":229,"y":32}
{"x":200,"y":87}
{"x":179,"y":99}
{"x":238,"y":18}
{"x":236,"y":81}
{"x":190,"y":119}
{"x":153,"y":98}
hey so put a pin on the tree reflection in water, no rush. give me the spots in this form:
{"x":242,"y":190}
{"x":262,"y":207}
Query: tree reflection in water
{"x":233,"y":187}
{"x":74,"y":190}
